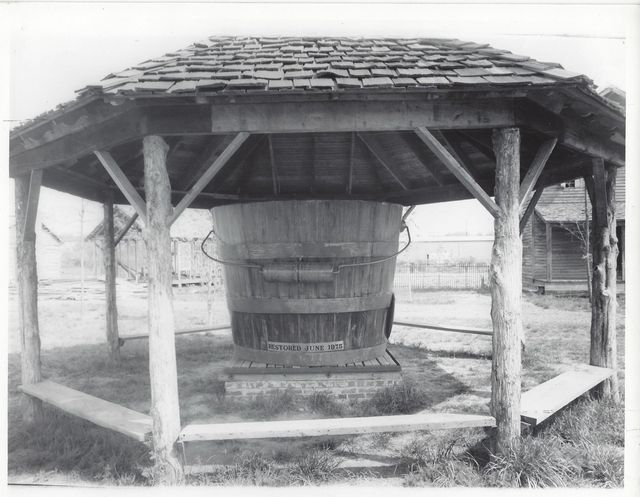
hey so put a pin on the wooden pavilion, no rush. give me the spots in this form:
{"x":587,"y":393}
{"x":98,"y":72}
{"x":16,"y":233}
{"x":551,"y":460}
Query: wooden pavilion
{"x":235,"y":120}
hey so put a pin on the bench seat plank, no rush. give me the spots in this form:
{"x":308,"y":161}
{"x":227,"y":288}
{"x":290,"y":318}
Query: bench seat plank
{"x":100,"y":412}
{"x":332,"y":426}
{"x":549,"y":397}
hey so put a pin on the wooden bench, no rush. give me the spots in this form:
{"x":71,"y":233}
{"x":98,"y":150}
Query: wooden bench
{"x":332,"y":426}
{"x":100,"y":412}
{"x":542,"y":401}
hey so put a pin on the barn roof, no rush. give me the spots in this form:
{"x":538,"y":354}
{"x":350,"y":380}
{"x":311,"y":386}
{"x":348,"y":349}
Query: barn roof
{"x":571,"y":212}
{"x":321,"y":117}
{"x":193,"y":224}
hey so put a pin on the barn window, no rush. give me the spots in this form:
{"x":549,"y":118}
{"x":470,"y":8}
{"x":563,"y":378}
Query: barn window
{"x":569,"y":184}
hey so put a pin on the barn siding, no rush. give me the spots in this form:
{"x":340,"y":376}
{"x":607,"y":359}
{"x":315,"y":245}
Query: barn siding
{"x":567,"y":262}
{"x":528,"y":259}
{"x":539,"y":248}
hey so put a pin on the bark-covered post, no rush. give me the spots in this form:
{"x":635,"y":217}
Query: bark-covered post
{"x":165,"y":409}
{"x":506,"y":291}
{"x":603,"y":351}
{"x":26,"y":199}
{"x":113,"y":338}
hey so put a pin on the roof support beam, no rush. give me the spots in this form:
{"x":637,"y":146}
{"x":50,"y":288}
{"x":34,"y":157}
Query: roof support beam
{"x":126,"y":228}
{"x":571,"y":133}
{"x":418,"y":152}
{"x":274,"y":170}
{"x":535,"y":169}
{"x":120,"y":179}
{"x":33,"y":197}
{"x":381,"y":156}
{"x":458,"y":154}
{"x":531,"y":207}
{"x":457,"y":170}
{"x":208,"y":175}
{"x":352,"y":152}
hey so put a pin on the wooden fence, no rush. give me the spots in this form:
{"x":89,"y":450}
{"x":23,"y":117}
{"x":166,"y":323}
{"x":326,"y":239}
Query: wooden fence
{"x":446,"y":276}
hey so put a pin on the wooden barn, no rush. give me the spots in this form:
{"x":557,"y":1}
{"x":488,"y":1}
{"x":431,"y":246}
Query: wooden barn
{"x":555,"y":242}
{"x":189,"y":264}
{"x":308,"y":151}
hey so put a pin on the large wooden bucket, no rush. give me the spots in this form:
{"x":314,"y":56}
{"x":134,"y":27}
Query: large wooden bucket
{"x":306,"y":281}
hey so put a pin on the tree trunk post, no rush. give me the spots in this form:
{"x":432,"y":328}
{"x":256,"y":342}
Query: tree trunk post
{"x":165,"y":409}
{"x":603,"y":351}
{"x":113,"y":338}
{"x":506,"y":291}
{"x":27,"y":192}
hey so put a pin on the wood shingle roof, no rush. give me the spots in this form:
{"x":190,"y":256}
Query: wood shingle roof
{"x":223,"y":64}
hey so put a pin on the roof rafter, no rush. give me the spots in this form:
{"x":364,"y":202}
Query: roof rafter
{"x":457,"y":170}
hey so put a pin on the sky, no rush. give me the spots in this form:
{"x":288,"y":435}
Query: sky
{"x":57,"y":48}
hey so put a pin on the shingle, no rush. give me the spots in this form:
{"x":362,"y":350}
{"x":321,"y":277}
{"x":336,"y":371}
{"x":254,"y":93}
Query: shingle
{"x":383,"y":72}
{"x":467,"y":80}
{"x":471,"y":71}
{"x":332,"y":72}
{"x":298,"y":74}
{"x":301,"y":83}
{"x":513,"y":57}
{"x":359,"y":73}
{"x":321,"y":83}
{"x":499,"y":71}
{"x":247,"y":83}
{"x":183,"y":86}
{"x":153,"y":85}
{"x":377,"y":82}
{"x":506,"y":80}
{"x":228,"y":74}
{"x":268,"y":74}
{"x":210,"y":84}
{"x":348,"y":83}
{"x":434,"y":80}
{"x":415,"y":72}
{"x":562,"y":73}
{"x":280,"y":84}
{"x":404,"y":82}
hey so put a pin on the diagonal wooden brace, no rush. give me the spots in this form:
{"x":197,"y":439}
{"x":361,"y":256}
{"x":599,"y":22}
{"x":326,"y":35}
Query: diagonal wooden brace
{"x":457,"y":170}
{"x":120,"y":179}
{"x":208,"y":175}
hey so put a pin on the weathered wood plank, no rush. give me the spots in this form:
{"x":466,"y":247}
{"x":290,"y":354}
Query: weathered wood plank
{"x":457,"y":170}
{"x":333,"y":426}
{"x":544,"y":400}
{"x":126,"y":228}
{"x":531,"y":207}
{"x":208,"y":175}
{"x":123,"y":183}
{"x":535,"y":169}
{"x":336,"y":116}
{"x":100,"y":412}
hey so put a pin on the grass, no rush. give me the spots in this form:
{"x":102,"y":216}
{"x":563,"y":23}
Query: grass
{"x":582,"y":446}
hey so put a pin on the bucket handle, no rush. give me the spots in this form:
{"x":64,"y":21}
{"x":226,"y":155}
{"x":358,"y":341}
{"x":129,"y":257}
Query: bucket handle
{"x":335,"y":270}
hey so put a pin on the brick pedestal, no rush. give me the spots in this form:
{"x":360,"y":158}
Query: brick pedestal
{"x":343,"y":386}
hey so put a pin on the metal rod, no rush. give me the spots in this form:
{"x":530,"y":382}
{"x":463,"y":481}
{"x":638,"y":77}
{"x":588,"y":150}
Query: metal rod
{"x":471,"y":331}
